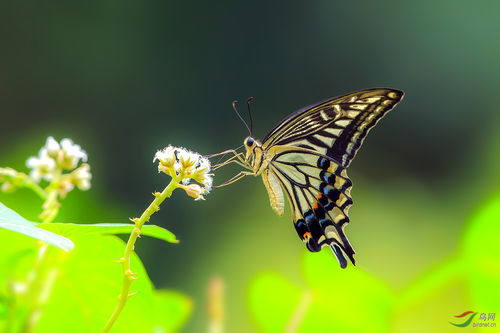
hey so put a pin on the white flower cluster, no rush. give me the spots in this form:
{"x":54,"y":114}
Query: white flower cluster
{"x":54,"y":158}
{"x":186,"y":165}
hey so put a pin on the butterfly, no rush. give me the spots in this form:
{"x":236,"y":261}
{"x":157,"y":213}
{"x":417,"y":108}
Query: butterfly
{"x":306,"y":157}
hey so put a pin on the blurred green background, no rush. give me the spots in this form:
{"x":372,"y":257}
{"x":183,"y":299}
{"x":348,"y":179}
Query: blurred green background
{"x":123,"y":79}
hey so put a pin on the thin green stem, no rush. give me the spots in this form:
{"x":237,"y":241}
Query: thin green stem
{"x":51,"y":205}
{"x":29,"y":183}
{"x":128,"y":274}
{"x":38,"y":285}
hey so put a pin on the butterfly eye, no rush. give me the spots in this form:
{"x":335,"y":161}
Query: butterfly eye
{"x":249,"y":142}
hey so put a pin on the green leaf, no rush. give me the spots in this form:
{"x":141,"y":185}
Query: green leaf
{"x":172,"y":309}
{"x":335,"y":299}
{"x":86,"y":284}
{"x":112,"y":228}
{"x":272,"y":300}
{"x":10,"y":220}
{"x":17,"y":257}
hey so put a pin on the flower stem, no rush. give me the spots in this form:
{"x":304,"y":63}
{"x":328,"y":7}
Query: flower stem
{"x":39,"y":285}
{"x":128,"y":275}
{"x":50,"y":207}
{"x":29,"y":183}
{"x":51,"y":204}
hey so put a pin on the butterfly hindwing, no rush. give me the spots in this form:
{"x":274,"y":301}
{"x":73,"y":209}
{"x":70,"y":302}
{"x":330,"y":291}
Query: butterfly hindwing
{"x":319,"y":193}
{"x":335,"y":127}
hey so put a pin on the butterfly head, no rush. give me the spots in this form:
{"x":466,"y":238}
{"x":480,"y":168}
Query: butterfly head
{"x":251,"y":145}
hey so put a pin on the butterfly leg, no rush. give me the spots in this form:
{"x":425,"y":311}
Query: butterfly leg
{"x":235,"y":159}
{"x":235,"y":178}
{"x":229,"y":151}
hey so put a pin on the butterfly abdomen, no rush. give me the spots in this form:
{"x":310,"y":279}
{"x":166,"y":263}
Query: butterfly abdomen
{"x":276,"y":198}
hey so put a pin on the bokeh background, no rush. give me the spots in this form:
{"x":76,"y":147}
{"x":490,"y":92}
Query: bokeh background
{"x":124,"y":79}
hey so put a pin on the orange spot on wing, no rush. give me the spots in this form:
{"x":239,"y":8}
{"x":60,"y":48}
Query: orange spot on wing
{"x":319,"y":195}
{"x":315,"y":205}
{"x":307,"y":235}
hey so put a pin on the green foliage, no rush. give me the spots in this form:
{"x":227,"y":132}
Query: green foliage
{"x":89,"y":280}
{"x":81,"y":285}
{"x":338,"y":299}
{"x":352,"y":300}
{"x":110,"y":229}
{"x":87,"y":287}
{"x":363,"y":296}
{"x":11,"y":220}
{"x":272,"y":299}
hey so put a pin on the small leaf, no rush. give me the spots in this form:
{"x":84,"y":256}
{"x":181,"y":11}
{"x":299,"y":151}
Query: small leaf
{"x":10,"y":220}
{"x":113,"y":229}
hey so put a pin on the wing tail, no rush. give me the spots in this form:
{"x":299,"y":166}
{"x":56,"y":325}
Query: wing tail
{"x":320,"y":197}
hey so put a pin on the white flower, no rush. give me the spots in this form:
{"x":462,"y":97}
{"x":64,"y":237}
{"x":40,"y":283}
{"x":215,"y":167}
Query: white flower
{"x":178,"y":167}
{"x":185,"y":165}
{"x":204,"y":164}
{"x":52,"y":147}
{"x":70,"y":154}
{"x":201,"y":173}
{"x":65,"y":186}
{"x":208,"y":181}
{"x":187,"y":158}
{"x":43,"y":166}
{"x":81,"y":177}
{"x":167,"y":159}
{"x":54,"y":157}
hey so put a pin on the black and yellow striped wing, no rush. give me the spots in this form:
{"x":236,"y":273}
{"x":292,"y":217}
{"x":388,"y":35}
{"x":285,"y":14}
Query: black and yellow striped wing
{"x":318,"y":190}
{"x":311,"y":150}
{"x":335,"y":127}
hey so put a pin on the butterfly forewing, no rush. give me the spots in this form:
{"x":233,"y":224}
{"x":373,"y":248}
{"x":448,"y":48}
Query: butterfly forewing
{"x":335,"y":127}
{"x":309,"y":152}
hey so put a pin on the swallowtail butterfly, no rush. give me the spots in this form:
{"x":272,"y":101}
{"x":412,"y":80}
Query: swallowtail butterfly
{"x":306,"y":156}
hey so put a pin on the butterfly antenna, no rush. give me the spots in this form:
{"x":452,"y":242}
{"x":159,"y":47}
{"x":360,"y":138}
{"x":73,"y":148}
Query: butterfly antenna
{"x":249,"y":101}
{"x":235,"y":108}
